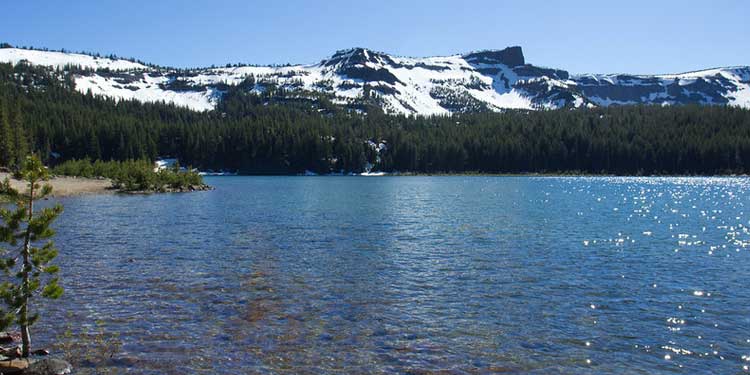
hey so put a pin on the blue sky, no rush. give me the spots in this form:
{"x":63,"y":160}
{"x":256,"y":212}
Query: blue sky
{"x":656,"y":36}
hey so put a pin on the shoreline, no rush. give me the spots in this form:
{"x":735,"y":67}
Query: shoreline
{"x":64,"y":186}
{"x":68,"y":186}
{"x":470,"y":174}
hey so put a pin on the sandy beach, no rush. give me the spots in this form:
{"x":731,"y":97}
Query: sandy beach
{"x":69,"y":186}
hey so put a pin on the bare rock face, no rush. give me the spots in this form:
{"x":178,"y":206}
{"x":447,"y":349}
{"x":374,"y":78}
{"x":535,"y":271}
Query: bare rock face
{"x":511,"y":57}
{"x":13,"y":352}
{"x":9,"y":337}
{"x":24,"y":366}
{"x":13,"y":366}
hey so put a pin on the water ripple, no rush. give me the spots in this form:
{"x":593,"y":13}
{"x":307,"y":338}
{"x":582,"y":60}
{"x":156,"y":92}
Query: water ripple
{"x":418,"y":275}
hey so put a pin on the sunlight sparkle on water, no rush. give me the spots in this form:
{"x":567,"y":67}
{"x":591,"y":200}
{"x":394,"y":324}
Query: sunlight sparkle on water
{"x":401,"y":275}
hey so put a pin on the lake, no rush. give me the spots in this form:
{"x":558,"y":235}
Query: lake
{"x":464,"y":275}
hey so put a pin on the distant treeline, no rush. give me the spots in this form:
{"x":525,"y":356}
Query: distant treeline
{"x":279,"y":133}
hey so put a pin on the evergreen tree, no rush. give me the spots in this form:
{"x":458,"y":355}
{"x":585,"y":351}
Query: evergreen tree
{"x":20,"y":140}
{"x":280,"y":131}
{"x":6,"y":144}
{"x":93,"y":150}
{"x":22,"y":230}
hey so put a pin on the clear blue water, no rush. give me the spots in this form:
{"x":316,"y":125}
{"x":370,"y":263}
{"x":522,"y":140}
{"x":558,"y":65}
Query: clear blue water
{"x":459,"y":275}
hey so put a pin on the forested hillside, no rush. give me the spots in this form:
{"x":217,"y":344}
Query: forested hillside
{"x":276,"y":132}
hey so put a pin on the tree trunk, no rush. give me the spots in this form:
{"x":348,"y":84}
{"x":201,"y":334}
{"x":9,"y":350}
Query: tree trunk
{"x":25,"y":335}
{"x":24,"y":316}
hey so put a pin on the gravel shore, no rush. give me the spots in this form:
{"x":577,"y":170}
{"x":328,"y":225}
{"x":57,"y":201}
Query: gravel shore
{"x":70,"y":186}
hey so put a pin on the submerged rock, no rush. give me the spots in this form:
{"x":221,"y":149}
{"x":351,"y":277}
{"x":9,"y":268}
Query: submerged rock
{"x":187,"y":188}
{"x":169,"y":189}
{"x":48,"y":366}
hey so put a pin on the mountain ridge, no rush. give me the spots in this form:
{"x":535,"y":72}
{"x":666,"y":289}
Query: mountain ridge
{"x":288,"y":64}
{"x":484,"y":80}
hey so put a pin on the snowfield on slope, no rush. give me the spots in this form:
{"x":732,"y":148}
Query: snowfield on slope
{"x":63,"y":59}
{"x":148,"y":90}
{"x":484,"y":80}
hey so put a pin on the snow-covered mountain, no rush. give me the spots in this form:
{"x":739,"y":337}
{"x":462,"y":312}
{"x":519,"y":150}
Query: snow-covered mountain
{"x":479,"y":81}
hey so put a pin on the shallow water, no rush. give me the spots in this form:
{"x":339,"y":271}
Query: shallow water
{"x":416,"y":275}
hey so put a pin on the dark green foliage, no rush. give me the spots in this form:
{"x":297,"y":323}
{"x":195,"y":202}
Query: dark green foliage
{"x":277,"y":132}
{"x":27,"y":252}
{"x":6,"y":136}
{"x":131,"y":175}
{"x":20,"y":142}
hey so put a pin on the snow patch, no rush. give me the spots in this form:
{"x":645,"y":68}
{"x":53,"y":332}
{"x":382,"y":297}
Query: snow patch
{"x":63,"y":59}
